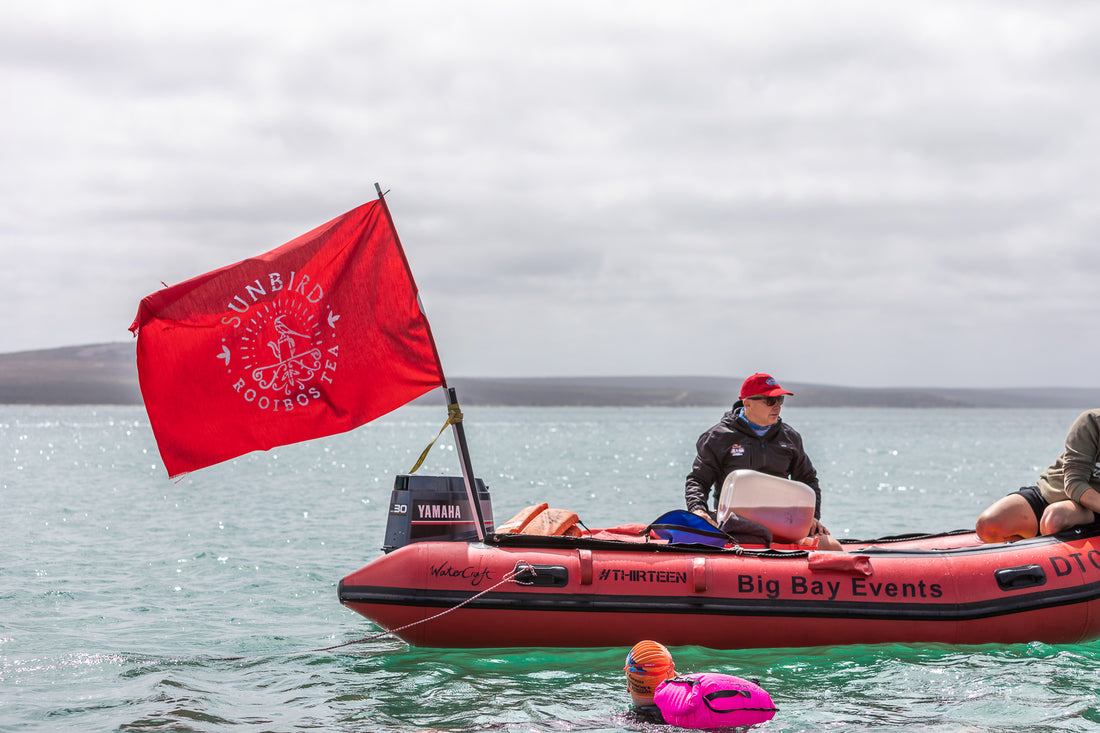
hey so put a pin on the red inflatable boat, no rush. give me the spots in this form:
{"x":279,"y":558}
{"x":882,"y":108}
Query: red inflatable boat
{"x":613,"y":587}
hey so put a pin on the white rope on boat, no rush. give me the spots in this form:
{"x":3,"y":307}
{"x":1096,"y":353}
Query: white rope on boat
{"x":520,"y":568}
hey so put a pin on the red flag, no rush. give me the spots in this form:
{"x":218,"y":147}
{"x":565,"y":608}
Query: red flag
{"x":314,"y":338}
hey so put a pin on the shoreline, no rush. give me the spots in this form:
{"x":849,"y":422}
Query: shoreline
{"x":106,"y":374}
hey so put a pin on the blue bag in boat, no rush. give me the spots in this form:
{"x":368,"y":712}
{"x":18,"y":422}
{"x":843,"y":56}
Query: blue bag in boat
{"x":681,"y":527}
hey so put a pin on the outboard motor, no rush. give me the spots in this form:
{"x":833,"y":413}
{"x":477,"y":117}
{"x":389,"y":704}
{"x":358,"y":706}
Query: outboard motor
{"x":434,"y":508}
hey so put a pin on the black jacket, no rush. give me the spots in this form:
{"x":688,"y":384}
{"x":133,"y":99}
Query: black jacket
{"x":733,"y":444}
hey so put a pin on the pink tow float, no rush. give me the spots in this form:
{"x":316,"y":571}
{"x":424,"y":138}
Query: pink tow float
{"x":712,"y":700}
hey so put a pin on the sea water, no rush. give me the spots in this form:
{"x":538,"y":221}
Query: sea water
{"x":131,"y":602}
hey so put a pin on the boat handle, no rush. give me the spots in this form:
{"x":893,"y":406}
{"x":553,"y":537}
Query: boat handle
{"x":545,"y":576}
{"x":1025,"y":576}
{"x":585,"y":556}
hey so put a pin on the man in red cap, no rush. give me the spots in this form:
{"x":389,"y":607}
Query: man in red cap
{"x":752,"y":435}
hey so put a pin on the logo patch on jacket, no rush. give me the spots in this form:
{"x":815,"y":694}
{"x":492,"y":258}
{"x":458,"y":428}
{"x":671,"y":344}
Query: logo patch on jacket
{"x":737,"y":449}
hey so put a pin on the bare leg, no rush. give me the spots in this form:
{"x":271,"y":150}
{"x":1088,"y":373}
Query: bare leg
{"x":1063,"y":515}
{"x":1008,"y":519}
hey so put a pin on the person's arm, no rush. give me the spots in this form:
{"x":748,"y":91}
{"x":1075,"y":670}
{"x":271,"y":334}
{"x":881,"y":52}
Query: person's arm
{"x":1080,"y":461}
{"x":704,"y":471}
{"x":1090,"y":499}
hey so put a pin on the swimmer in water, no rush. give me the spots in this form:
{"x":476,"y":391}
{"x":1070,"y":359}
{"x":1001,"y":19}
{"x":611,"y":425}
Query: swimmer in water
{"x":699,"y":701}
{"x":647,"y":665}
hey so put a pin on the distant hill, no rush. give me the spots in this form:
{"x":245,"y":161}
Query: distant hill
{"x":101,"y":374}
{"x":721,"y":391}
{"x":106,"y":374}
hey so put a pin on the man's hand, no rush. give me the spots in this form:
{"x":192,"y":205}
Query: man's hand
{"x":705,"y":515}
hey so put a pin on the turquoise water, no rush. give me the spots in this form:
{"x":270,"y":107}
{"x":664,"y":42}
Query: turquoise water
{"x":131,"y":602}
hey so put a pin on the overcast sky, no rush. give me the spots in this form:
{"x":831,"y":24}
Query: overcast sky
{"x":856,"y":193}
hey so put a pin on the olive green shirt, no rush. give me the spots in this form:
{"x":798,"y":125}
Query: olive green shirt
{"x":1078,"y":468}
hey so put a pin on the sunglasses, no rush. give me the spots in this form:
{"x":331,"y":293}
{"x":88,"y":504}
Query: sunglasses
{"x":770,"y":401}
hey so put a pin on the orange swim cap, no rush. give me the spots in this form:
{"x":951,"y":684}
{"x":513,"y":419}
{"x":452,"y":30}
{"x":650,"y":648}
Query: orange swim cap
{"x":647,"y":665}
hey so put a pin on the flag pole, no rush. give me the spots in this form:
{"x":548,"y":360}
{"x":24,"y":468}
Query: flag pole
{"x":453,"y":411}
{"x":464,"y":461}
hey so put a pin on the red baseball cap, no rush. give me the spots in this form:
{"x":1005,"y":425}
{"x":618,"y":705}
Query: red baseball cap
{"x":762,"y":385}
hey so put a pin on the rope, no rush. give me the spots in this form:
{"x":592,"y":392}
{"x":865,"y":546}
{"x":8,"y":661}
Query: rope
{"x":520,"y":568}
{"x":454,"y":415}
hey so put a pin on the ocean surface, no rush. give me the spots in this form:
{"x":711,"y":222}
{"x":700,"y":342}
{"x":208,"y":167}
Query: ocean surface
{"x":131,"y":602}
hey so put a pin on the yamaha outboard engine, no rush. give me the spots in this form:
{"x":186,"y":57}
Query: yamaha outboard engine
{"x":434,"y":508}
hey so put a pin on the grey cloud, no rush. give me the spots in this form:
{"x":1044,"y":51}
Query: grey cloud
{"x":703,"y":188}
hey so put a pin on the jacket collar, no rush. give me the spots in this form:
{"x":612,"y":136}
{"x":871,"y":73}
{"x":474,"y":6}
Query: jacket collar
{"x":734,"y":420}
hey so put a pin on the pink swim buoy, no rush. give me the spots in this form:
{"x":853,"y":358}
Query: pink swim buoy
{"x":713,"y":700}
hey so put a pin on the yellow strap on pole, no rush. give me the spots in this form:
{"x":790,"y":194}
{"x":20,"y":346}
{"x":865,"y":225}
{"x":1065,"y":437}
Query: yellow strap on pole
{"x":454,"y":415}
